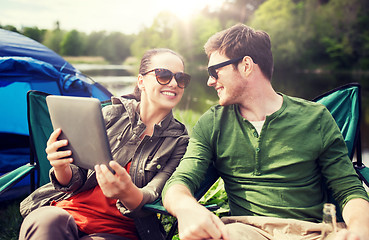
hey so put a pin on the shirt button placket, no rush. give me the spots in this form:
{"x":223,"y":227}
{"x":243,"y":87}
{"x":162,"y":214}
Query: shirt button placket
{"x":257,"y":163}
{"x":256,"y":134}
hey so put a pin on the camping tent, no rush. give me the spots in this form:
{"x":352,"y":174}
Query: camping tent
{"x":28,"y":65}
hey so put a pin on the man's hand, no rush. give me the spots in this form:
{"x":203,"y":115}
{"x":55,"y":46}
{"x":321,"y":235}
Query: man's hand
{"x":197,"y":222}
{"x":194,"y":220}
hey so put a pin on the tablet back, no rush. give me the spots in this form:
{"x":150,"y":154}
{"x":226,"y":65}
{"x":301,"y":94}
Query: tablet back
{"x":82,"y":123}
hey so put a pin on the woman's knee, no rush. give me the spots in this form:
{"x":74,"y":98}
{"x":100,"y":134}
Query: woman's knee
{"x":47,"y":216}
{"x":48,"y":221}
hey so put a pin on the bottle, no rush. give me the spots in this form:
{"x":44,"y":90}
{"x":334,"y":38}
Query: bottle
{"x":329,"y":220}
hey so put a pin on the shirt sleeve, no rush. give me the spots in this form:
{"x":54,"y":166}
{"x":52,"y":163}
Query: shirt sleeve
{"x":199,"y":155}
{"x":337,"y":168}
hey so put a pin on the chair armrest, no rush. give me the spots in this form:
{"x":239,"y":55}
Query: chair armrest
{"x":11,"y":178}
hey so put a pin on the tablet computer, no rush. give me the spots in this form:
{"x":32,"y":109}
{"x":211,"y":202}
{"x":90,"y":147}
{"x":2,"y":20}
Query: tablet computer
{"x":82,"y":124}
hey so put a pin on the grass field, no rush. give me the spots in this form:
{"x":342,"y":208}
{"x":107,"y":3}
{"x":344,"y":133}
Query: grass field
{"x":10,"y":219}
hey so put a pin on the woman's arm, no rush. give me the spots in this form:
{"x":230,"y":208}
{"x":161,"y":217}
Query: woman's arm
{"x":59,"y":160}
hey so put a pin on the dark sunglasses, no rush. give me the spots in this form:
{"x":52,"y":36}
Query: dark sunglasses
{"x":212,"y":69}
{"x":164,"y":76}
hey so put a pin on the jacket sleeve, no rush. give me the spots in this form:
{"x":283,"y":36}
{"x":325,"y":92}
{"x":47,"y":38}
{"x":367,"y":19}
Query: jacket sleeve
{"x":153,"y":189}
{"x":79,"y":176}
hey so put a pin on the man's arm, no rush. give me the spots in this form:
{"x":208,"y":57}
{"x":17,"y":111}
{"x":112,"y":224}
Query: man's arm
{"x":194,"y":220}
{"x":356,"y":216}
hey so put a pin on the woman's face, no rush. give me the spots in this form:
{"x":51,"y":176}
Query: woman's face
{"x":160,"y":96}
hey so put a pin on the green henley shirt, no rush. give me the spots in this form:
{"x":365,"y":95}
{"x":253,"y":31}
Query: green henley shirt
{"x":279,"y":172}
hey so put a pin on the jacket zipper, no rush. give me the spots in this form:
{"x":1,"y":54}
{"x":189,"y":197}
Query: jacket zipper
{"x":138,"y":162}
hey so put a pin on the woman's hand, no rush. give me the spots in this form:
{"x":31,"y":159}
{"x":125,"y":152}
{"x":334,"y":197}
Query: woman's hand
{"x":60,"y":160}
{"x":118,"y":185}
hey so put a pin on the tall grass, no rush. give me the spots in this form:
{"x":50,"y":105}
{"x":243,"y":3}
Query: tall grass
{"x":10,"y":219}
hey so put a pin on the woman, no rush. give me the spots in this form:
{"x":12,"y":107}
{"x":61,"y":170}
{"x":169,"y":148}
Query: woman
{"x":147,"y":144}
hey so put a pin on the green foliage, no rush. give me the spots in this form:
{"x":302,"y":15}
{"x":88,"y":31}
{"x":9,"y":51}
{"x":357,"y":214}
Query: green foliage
{"x":9,"y":28}
{"x":115,"y":47}
{"x":187,"y":117}
{"x":217,"y":195}
{"x":53,"y":39}
{"x":281,"y":19}
{"x":10,"y":220}
{"x":93,"y":43}
{"x":339,"y":52}
{"x":162,"y":33}
{"x":304,"y":33}
{"x":198,"y":32}
{"x":34,"y":33}
{"x":315,"y":33}
{"x":71,"y":45}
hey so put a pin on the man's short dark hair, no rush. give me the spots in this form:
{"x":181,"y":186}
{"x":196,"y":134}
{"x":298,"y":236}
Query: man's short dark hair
{"x":241,"y":40}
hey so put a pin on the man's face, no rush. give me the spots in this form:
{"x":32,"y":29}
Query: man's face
{"x":229,"y":84}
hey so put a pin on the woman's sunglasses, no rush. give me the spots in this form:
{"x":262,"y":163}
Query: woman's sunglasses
{"x":164,"y":76}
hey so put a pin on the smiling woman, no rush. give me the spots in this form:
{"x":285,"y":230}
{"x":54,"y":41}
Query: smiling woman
{"x":184,"y":9}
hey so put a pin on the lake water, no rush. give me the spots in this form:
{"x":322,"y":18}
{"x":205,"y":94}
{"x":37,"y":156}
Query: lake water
{"x":200,"y":97}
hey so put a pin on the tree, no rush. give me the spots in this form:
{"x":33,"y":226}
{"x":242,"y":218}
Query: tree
{"x":161,"y":34}
{"x":10,"y":28}
{"x":93,"y":43}
{"x":34,"y":33}
{"x":72,"y":44}
{"x":115,"y":47}
{"x":53,"y":38}
{"x":279,"y":18}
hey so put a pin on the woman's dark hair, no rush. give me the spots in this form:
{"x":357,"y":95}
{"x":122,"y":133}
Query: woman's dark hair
{"x":241,"y":40}
{"x":145,"y":64}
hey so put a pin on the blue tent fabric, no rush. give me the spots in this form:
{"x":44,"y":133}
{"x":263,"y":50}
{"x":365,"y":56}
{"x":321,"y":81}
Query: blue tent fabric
{"x":14,"y":44}
{"x":35,"y":71}
{"x":28,"y":65}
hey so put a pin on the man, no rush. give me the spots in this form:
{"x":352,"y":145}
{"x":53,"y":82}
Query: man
{"x":271,"y":150}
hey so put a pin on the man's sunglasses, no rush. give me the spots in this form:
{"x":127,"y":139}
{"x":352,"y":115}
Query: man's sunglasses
{"x":164,"y":76}
{"x":212,"y":69}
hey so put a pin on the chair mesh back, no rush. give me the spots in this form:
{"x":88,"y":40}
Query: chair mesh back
{"x":40,"y":128}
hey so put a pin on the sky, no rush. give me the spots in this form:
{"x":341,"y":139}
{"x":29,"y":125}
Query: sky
{"x":127,"y":16}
